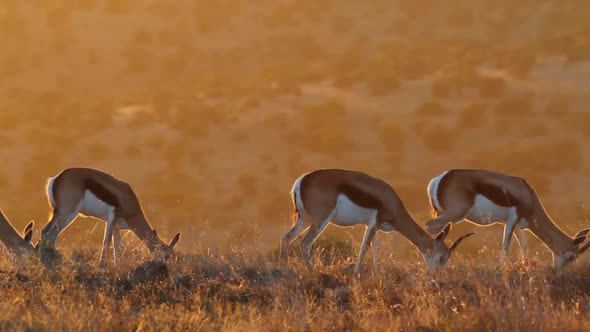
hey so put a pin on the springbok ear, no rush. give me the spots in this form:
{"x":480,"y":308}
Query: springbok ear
{"x":459,"y":240}
{"x":174,"y":240}
{"x":578,"y":240}
{"x":29,"y":226}
{"x":583,"y":232}
{"x":444,"y":233}
{"x":29,"y":235}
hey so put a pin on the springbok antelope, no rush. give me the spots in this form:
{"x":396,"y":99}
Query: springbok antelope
{"x":348,"y":198}
{"x":486,"y":197}
{"x":16,"y":244}
{"x":97,"y":194}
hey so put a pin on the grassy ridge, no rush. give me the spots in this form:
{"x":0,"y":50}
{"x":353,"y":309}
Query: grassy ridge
{"x":244,"y":290}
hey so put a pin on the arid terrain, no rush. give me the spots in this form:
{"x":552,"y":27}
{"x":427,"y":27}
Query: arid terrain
{"x":211,"y":109}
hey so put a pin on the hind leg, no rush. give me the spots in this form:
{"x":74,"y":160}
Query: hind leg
{"x":314,"y":232}
{"x":369,"y":235}
{"x":375,"y":251}
{"x":117,"y":244}
{"x":296,"y":230}
{"x":508,"y":231}
{"x":520,"y":235}
{"x":108,"y":236}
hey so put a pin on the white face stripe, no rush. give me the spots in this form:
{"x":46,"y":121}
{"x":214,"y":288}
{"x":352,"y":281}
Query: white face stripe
{"x":433,"y":191}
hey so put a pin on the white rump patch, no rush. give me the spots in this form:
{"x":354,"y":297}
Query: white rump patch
{"x":296,"y":195}
{"x":433,"y":191}
{"x":50,"y":182}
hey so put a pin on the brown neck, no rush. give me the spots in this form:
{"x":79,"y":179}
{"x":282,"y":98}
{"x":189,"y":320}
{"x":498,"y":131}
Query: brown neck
{"x":409,"y":228}
{"x":140,"y":226}
{"x":8,"y":235}
{"x":547,"y":231}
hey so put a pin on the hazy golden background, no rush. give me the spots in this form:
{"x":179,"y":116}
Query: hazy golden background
{"x":211,"y":109}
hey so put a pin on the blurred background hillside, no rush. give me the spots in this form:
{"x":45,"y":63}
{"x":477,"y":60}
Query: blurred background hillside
{"x":211,"y":109}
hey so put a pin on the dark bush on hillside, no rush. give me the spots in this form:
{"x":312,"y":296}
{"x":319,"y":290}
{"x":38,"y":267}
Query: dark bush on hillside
{"x":439,"y":138}
{"x":520,"y":105}
{"x":472,"y":116}
{"x":491,"y":87}
{"x":558,"y":106}
{"x":431,"y":108}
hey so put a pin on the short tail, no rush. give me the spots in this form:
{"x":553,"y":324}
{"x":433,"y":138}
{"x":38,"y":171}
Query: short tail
{"x":434,"y":213}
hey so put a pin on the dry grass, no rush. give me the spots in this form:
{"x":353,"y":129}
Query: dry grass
{"x":245,"y":290}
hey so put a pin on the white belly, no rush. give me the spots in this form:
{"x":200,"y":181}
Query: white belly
{"x":92,"y":206}
{"x":485,"y":212}
{"x":348,"y":214}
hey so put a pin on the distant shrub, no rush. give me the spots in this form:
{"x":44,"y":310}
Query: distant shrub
{"x":431,"y":108}
{"x":578,"y":50}
{"x":536,"y":130}
{"x":97,"y":149}
{"x":519,"y":105}
{"x":393,"y":137}
{"x":342,"y":24}
{"x":383,"y":81}
{"x":247,"y":184}
{"x":443,"y":87}
{"x":453,"y":78}
{"x":439,"y":138}
{"x":57,"y":16}
{"x":491,"y":87}
{"x":132,"y":150}
{"x":540,"y":158}
{"x":518,"y":62}
{"x":558,"y":106}
{"x":142,"y":36}
{"x":461,"y":17}
{"x":138,"y":59}
{"x":117,"y":7}
{"x":323,"y":129}
{"x":472,"y":116}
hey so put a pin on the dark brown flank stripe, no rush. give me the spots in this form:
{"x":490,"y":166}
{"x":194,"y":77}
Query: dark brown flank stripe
{"x":101,"y":192}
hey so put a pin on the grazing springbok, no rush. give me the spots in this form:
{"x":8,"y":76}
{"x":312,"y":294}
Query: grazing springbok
{"x":97,"y":194}
{"x":487,"y":197}
{"x":348,"y":198}
{"x":17,"y":245}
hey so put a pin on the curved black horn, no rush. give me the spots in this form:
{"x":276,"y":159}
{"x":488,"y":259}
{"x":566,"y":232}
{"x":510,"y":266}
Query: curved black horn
{"x":454,"y":246}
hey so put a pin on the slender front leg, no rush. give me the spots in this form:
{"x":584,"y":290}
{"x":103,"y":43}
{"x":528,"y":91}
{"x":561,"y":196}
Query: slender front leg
{"x":508,"y":231}
{"x":375,"y":250}
{"x":309,"y":239}
{"x":118,"y":245}
{"x":296,"y":230}
{"x":522,"y":242}
{"x":108,"y":236}
{"x":369,"y":234}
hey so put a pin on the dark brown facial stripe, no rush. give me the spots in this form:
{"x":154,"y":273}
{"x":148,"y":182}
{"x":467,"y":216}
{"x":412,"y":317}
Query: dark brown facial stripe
{"x":101,"y":192}
{"x":360,"y":197}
